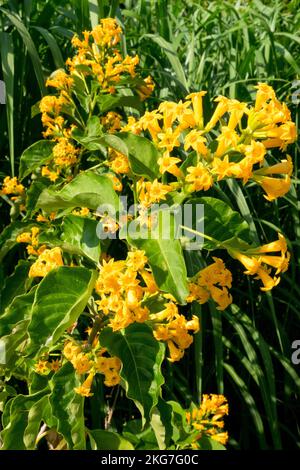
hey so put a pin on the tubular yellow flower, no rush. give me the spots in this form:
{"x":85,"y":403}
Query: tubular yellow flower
{"x":168,"y":139}
{"x":85,"y":389}
{"x":274,"y":187}
{"x":227,"y":140}
{"x":284,"y":167}
{"x":265,"y":92}
{"x":168,"y":164}
{"x":221,"y":109}
{"x":236,"y":110}
{"x":197,"y":106}
{"x":197,"y":141}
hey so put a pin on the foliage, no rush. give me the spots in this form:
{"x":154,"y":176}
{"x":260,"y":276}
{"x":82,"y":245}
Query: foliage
{"x":101,"y":326}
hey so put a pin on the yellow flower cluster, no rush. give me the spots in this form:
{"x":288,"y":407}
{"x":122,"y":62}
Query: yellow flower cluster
{"x":259,"y":261}
{"x":101,"y":59}
{"x":32,"y":239}
{"x":12,"y":186}
{"x":151,"y":192}
{"x":174,"y":328}
{"x":97,"y":57}
{"x":208,"y":419}
{"x":91,"y":363}
{"x":212,"y":282}
{"x":47,"y":260}
{"x":120,"y":290}
{"x":235,"y":152}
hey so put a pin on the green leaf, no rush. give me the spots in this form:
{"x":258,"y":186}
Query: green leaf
{"x":107,"y":440}
{"x":19,"y":408}
{"x":35,"y":417}
{"x":220,"y":222}
{"x":33,"y":194}
{"x":161,"y":423}
{"x":206,"y":443}
{"x":29,"y":44}
{"x":171,"y":54}
{"x":142,"y":154}
{"x":108,"y":102}
{"x":141,"y":356}
{"x":15,"y":284}
{"x":86,"y":190}
{"x":34,"y":156}
{"x":67,"y":406}
{"x":165,"y":257}
{"x":19,"y":309}
{"x":79,"y":233}
{"x":60,"y":298}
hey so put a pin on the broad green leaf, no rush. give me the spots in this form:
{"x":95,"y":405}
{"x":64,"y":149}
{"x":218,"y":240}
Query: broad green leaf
{"x":86,"y":190}
{"x":34,"y":156}
{"x":67,"y":406}
{"x":161,"y":423}
{"x":206,"y":443}
{"x":142,"y":154}
{"x":33,"y":193}
{"x":19,"y":408}
{"x":18,"y":310}
{"x":141,"y":356}
{"x":220,"y":222}
{"x":80,"y":234}
{"x":93,"y":138}
{"x":165,"y":257}
{"x":107,"y":440}
{"x":60,"y":298}
{"x":15,"y":284}
{"x":108,"y":102}
{"x":35,"y":417}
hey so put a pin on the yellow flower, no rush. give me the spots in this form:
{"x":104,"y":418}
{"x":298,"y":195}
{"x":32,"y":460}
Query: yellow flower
{"x":265,"y":92}
{"x":47,"y":261}
{"x":168,"y":164}
{"x":168,"y":139}
{"x":227,"y":140}
{"x":221,"y":109}
{"x":120,"y":164}
{"x":82,"y":363}
{"x":175,"y":353}
{"x":42,"y":367}
{"x":285,"y":167}
{"x":197,"y":106}
{"x":196,"y":140}
{"x":199,"y":177}
{"x":274,"y":187}
{"x":85,"y":389}
{"x":236,"y":110}
{"x":136,"y":260}
{"x":52,"y":175}
{"x":255,"y":151}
